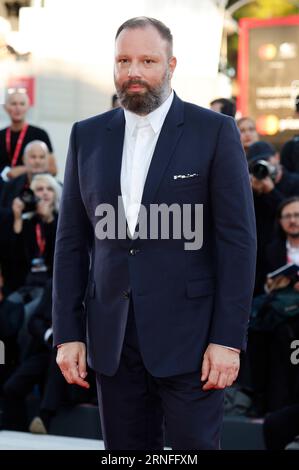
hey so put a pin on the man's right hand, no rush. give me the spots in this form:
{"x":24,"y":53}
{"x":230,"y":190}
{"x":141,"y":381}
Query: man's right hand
{"x":71,"y":359}
{"x":17,"y":171}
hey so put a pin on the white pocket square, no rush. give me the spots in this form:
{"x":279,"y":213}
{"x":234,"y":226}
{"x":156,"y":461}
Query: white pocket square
{"x":188,"y":175}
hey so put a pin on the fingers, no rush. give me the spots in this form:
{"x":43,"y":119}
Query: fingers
{"x":71,"y":359}
{"x":230,"y":379}
{"x":72,"y":377}
{"x":219,"y":381}
{"x":82,"y":365}
{"x":220,"y":367}
{"x":205,"y":368}
{"x":212,"y":380}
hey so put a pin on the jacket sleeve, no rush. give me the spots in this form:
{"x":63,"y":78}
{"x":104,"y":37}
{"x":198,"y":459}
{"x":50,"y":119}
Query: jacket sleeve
{"x":235,"y":239}
{"x":71,"y":259}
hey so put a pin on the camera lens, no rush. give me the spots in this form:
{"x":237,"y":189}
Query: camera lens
{"x":260,"y":170}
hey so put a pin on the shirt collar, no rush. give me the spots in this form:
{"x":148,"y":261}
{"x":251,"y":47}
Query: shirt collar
{"x":155,"y":119}
{"x":290,"y":247}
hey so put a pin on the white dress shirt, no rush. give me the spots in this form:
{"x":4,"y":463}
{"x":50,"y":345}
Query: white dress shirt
{"x":141,"y":135}
{"x":292,"y":253}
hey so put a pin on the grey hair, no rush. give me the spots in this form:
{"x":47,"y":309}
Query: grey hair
{"x":52,"y":182}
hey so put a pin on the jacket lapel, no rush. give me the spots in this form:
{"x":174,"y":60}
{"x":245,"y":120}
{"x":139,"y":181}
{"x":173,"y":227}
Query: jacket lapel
{"x":113,"y":150}
{"x":113,"y":147}
{"x":168,"y":139}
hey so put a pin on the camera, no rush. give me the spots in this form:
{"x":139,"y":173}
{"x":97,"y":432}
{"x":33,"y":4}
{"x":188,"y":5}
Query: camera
{"x":260,"y":169}
{"x":29,"y":199}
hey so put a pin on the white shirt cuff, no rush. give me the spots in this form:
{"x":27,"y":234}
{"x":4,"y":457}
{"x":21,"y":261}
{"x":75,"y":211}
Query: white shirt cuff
{"x":4,"y":173}
{"x":47,"y":334}
{"x":227,"y":347}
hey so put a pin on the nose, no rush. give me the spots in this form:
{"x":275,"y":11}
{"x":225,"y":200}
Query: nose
{"x":134,"y":70}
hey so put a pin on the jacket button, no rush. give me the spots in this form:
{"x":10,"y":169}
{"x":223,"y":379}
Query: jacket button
{"x":126,"y":294}
{"x":133,"y":251}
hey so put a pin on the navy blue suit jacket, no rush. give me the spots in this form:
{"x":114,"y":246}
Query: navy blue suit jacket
{"x":183,"y":300}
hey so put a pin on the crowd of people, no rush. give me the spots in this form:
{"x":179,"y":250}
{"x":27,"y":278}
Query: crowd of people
{"x":29,"y":205}
{"x":267,"y":372}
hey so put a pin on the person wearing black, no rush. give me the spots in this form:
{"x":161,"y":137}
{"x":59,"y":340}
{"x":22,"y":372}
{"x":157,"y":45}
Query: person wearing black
{"x":33,"y":238}
{"x":271,"y":184}
{"x":281,"y":427}
{"x":11,"y":319}
{"x":274,"y":377}
{"x":36,"y":161}
{"x":13,"y":139}
{"x":39,"y":368}
{"x":290,"y":150}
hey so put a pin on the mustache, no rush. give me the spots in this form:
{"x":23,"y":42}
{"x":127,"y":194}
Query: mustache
{"x":128,"y":83}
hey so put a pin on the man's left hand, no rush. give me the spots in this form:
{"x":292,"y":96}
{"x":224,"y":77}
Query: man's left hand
{"x":220,"y":367}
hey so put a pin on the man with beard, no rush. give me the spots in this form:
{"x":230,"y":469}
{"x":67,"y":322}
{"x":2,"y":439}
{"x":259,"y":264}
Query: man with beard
{"x":274,"y":378}
{"x":165,"y":324}
{"x":285,"y":248}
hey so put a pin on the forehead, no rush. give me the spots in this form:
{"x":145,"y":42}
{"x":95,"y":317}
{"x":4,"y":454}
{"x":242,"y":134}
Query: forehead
{"x":36,"y":150}
{"x":42,"y":183}
{"x":291,"y":207}
{"x":17,"y":97}
{"x":140,"y":41}
{"x":246,"y":124}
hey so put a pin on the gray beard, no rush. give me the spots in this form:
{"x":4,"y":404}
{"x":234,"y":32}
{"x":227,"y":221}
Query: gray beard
{"x":144,"y":103}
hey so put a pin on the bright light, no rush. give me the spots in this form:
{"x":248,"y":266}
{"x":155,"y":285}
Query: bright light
{"x":4,"y":27}
{"x":82,"y":33}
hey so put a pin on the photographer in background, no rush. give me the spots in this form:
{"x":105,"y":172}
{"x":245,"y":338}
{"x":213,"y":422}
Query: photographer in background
{"x":34,"y":232}
{"x":275,"y":323}
{"x":36,"y":161}
{"x":32,"y":244}
{"x":271,"y":184}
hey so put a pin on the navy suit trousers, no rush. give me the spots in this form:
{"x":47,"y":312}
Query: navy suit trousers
{"x":136,"y":407}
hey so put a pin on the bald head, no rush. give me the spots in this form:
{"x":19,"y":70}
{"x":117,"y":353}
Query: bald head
{"x":17,"y":95}
{"x":36,"y":157}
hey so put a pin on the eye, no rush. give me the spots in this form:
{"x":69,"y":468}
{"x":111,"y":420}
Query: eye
{"x":123,"y":61}
{"x":148,"y":61}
